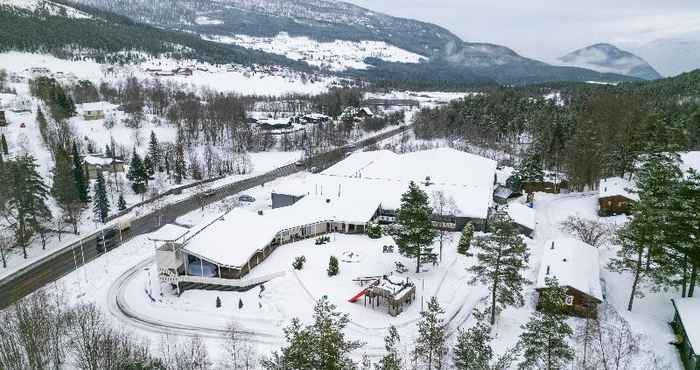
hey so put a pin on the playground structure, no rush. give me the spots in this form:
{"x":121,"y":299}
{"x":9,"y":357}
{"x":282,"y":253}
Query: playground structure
{"x":393,"y":291}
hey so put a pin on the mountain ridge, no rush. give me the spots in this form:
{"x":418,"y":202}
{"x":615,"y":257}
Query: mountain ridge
{"x":605,"y":57}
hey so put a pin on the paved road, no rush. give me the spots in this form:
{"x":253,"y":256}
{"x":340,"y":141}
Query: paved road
{"x":52,"y":268}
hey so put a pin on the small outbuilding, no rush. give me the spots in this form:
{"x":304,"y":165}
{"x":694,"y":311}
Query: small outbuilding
{"x":616,"y":196}
{"x":94,"y":164}
{"x":523,"y":216}
{"x":576,"y":267}
{"x":686,"y":325}
{"x":94,"y":111}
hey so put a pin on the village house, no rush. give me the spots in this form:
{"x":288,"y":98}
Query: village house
{"x":576,"y":267}
{"x":95,"y":164}
{"x":686,"y":325}
{"x":361,"y":190}
{"x":95,"y":110}
{"x":615,"y":196}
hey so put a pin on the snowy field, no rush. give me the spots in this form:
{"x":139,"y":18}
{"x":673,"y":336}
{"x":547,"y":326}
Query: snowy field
{"x":219,"y":78}
{"x":339,"y":55}
{"x":128,"y":272}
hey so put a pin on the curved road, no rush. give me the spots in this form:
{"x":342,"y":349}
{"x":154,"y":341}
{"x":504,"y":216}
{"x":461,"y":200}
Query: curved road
{"x":47,"y":270}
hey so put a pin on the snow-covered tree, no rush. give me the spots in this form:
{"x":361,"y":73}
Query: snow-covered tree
{"x":333,"y":266}
{"x":100,"y":205}
{"x":545,"y":339}
{"x":473,"y":351}
{"x":321,"y":345}
{"x":415,"y":232}
{"x":502,"y":256}
{"x":65,"y":190}
{"x":465,"y":240}
{"x":392,"y":358}
{"x":431,"y":346}
{"x":137,"y":174}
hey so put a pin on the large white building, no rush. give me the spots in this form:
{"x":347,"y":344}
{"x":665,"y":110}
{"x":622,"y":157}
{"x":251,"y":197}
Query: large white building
{"x":364,"y":188}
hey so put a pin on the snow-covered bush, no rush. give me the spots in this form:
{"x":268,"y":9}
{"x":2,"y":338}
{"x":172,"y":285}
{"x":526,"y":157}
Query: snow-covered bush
{"x":374,"y":231}
{"x":298,"y":263}
{"x":333,"y":267}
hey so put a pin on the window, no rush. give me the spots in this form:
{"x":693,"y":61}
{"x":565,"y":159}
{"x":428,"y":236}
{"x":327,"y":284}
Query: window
{"x":569,"y":301}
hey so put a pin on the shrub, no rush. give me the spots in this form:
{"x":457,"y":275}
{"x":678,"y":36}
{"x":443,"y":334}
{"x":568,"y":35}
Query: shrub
{"x":374,"y":231}
{"x":298,"y":263}
{"x":466,"y":239}
{"x":333,"y":267}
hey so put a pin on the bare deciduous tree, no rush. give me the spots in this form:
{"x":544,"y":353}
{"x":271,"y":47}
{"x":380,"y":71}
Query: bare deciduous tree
{"x":240,"y":352}
{"x":593,"y":232}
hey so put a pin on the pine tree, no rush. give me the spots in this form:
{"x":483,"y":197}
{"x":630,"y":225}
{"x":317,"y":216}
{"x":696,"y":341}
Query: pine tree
{"x":333,"y":267}
{"x":502,"y":256}
{"x":81,"y":181}
{"x":392,"y":358}
{"x":472,"y":350}
{"x":3,"y":144}
{"x":100,"y":202}
{"x":24,"y":194}
{"x":180,"y":167}
{"x":148,"y":165}
{"x":137,"y":174}
{"x":154,"y":153}
{"x":465,"y":239}
{"x":432,"y":335}
{"x":544,"y":342}
{"x":43,"y":126}
{"x":121,"y":203}
{"x":65,"y":190}
{"x":240,"y":303}
{"x":218,"y":302}
{"x":415,"y":233}
{"x":646,"y":240}
{"x":321,"y":345}
{"x":108,"y":151}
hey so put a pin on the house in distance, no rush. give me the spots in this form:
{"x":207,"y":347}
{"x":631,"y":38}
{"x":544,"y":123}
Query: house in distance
{"x":576,"y":267}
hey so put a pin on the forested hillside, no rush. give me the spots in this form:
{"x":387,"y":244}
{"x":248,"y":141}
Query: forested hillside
{"x":587,"y":131}
{"x":106,"y":37}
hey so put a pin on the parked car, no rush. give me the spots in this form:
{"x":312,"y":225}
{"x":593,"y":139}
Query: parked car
{"x":299,"y":163}
{"x":246,"y":198}
{"x":106,"y":240}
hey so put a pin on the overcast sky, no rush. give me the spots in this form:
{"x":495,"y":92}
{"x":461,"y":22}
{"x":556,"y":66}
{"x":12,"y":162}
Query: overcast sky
{"x":547,"y":29}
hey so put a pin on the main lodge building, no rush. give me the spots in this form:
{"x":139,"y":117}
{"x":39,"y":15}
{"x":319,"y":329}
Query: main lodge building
{"x":363,"y":189}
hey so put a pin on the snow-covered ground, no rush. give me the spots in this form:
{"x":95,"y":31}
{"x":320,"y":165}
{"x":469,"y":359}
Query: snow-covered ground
{"x":129,"y":272}
{"x":238,"y":79}
{"x":339,"y":55}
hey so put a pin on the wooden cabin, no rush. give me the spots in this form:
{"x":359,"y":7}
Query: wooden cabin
{"x":686,"y":325}
{"x":615,"y":196}
{"x":576,"y":266}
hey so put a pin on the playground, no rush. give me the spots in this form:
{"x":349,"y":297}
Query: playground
{"x":376,"y":285}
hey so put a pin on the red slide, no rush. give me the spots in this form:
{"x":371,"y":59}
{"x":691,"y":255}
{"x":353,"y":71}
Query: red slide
{"x":358,"y":296}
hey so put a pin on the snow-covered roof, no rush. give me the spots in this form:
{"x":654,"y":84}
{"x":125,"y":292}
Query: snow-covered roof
{"x":688,"y":310}
{"x":617,"y":186}
{"x":690,"y":160}
{"x":464,"y":177}
{"x":574,"y":263}
{"x":100,"y":161}
{"x":168,"y":233}
{"x":522,"y":215}
{"x":235,"y":237}
{"x":95,"y":106}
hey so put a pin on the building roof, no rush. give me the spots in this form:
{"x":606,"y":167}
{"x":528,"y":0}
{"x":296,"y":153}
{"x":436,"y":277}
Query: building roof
{"x":574,"y":263}
{"x":690,"y":160}
{"x":232,"y":239}
{"x":617,"y":186}
{"x":100,"y":161}
{"x":95,"y":106}
{"x":168,"y":233}
{"x":464,"y":177}
{"x":688,"y":310}
{"x":522,"y":215}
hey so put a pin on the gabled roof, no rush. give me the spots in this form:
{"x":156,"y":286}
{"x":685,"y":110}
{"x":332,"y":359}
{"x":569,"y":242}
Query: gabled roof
{"x":522,"y":215}
{"x":617,"y":186}
{"x":574,"y":263}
